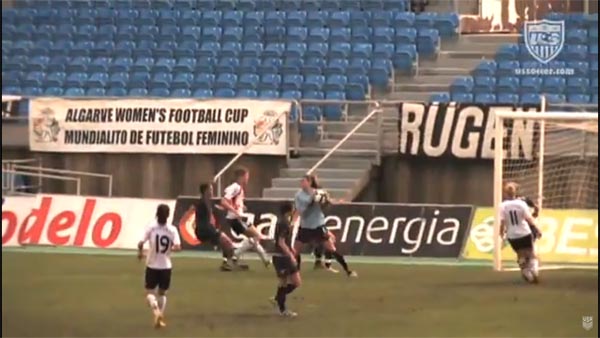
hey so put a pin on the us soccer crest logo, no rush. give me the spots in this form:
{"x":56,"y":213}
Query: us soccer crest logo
{"x":544,"y":39}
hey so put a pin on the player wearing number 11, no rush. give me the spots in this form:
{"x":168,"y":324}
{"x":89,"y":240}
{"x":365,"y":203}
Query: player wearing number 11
{"x":163,"y":239}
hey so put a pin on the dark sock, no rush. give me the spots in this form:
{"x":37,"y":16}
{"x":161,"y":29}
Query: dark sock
{"x":328,"y":259}
{"x":298,"y":260}
{"x":290,"y":288}
{"x":318,"y":252}
{"x":280,"y":297}
{"x":340,"y":259}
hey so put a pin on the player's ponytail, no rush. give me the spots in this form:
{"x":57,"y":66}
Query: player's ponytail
{"x":314,"y":181}
{"x":510,"y":190}
{"x":162,"y":214}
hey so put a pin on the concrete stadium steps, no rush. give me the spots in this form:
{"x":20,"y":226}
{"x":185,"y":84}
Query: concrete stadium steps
{"x":289,"y":193}
{"x":342,"y":176}
{"x":356,"y":136}
{"x":370,"y":127}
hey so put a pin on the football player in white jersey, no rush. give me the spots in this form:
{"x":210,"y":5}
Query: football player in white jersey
{"x":516,"y":225}
{"x":163,"y":239}
{"x":233,"y":203}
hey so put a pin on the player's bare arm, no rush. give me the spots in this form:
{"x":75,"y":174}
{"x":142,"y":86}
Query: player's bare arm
{"x":140,"y":253}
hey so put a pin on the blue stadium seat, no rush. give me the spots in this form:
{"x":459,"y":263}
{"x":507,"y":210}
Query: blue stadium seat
{"x":576,"y":53}
{"x":579,"y":98}
{"x":316,"y":19}
{"x":577,"y":36}
{"x":204,"y":81}
{"x":383,"y":50}
{"x":383,"y":35}
{"x":405,"y":36}
{"x":359,"y":19}
{"x":270,"y":65}
{"x":268,"y":94}
{"x":340,"y":34}
{"x":428,"y":41}
{"x":425,"y":20}
{"x":439,"y":97}
{"x":593,"y":53}
{"x":554,"y":85}
{"x":595,"y":99}
{"x":247,"y":93}
{"x":12,"y":90}
{"x":335,"y":82}
{"x":230,"y":49}
{"x":274,"y":50}
{"x":361,"y":50}
{"x":297,"y":34}
{"x":248,"y":81}
{"x":334,"y":112}
{"x":317,"y":49}
{"x":485,"y":98}
{"x":507,"y":68}
{"x":52,"y":91}
{"x":485,"y":68}
{"x":292,"y":82}
{"x":313,"y":82}
{"x":227,"y":65}
{"x":160,"y":81}
{"x":73,"y":91}
{"x":318,"y":34}
{"x":581,"y":67}
{"x":95,"y":92}
{"x":594,"y":84}
{"x":531,"y":84}
{"x":530,"y":99}
{"x":447,"y":24}
{"x":507,"y":52}
{"x":356,"y":91}
{"x":211,"y":18}
{"x":340,"y":50}
{"x":232,"y":34}
{"x":578,"y":85}
{"x":507,"y":98}
{"x":211,"y":34}
{"x":331,"y":5}
{"x":404,"y":19}
{"x":336,"y":66}
{"x":56,"y":79}
{"x":76,"y":80}
{"x":182,"y":81}
{"x":405,"y":57}
{"x":249,"y":65}
{"x":97,"y":80}
{"x":232,"y":18}
{"x":555,"y":98}
{"x":118,"y":80}
{"x":226,"y":80}
{"x":464,"y":84}
{"x":484,"y":84}
{"x":361,"y":34}
{"x":295,"y":50}
{"x":508,"y":84}
{"x":339,"y":19}
{"x":116,"y":92}
{"x":181,"y":92}
{"x":254,"y":18}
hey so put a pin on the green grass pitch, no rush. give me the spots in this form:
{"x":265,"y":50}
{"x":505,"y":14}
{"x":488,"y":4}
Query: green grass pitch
{"x":60,"y":295}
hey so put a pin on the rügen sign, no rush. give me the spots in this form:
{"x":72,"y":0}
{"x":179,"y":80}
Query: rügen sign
{"x":462,"y":131}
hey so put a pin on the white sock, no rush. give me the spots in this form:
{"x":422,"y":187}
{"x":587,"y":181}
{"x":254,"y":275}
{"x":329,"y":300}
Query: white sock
{"x":261,"y":252}
{"x":162,"y":303}
{"x":153,"y":303}
{"x":244,"y":246}
{"x":534,"y":264}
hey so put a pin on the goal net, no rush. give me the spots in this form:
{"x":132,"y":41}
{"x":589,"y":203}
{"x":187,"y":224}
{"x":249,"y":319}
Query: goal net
{"x":554,"y":159}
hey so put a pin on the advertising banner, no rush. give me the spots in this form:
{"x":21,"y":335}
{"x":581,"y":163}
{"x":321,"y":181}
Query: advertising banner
{"x":91,"y":222}
{"x":465,"y":131}
{"x":175,"y":126}
{"x":569,"y":236}
{"x":360,"y":228}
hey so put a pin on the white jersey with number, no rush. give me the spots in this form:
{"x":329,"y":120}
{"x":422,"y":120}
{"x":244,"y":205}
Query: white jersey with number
{"x":161,"y":239}
{"x":514,"y":214}
{"x":235,"y":193}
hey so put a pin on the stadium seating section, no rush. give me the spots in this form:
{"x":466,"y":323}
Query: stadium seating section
{"x":325,"y":49}
{"x":495,"y":81}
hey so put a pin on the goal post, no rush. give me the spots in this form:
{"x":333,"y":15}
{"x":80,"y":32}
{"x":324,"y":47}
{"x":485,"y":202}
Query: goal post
{"x":553,"y":156}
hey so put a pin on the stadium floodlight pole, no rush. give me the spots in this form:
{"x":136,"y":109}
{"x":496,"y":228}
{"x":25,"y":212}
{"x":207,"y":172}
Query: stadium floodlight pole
{"x":376,"y":110}
{"x":217,"y":178}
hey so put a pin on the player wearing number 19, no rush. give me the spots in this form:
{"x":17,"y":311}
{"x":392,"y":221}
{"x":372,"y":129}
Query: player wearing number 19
{"x":516,"y":224}
{"x":163,"y":239}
